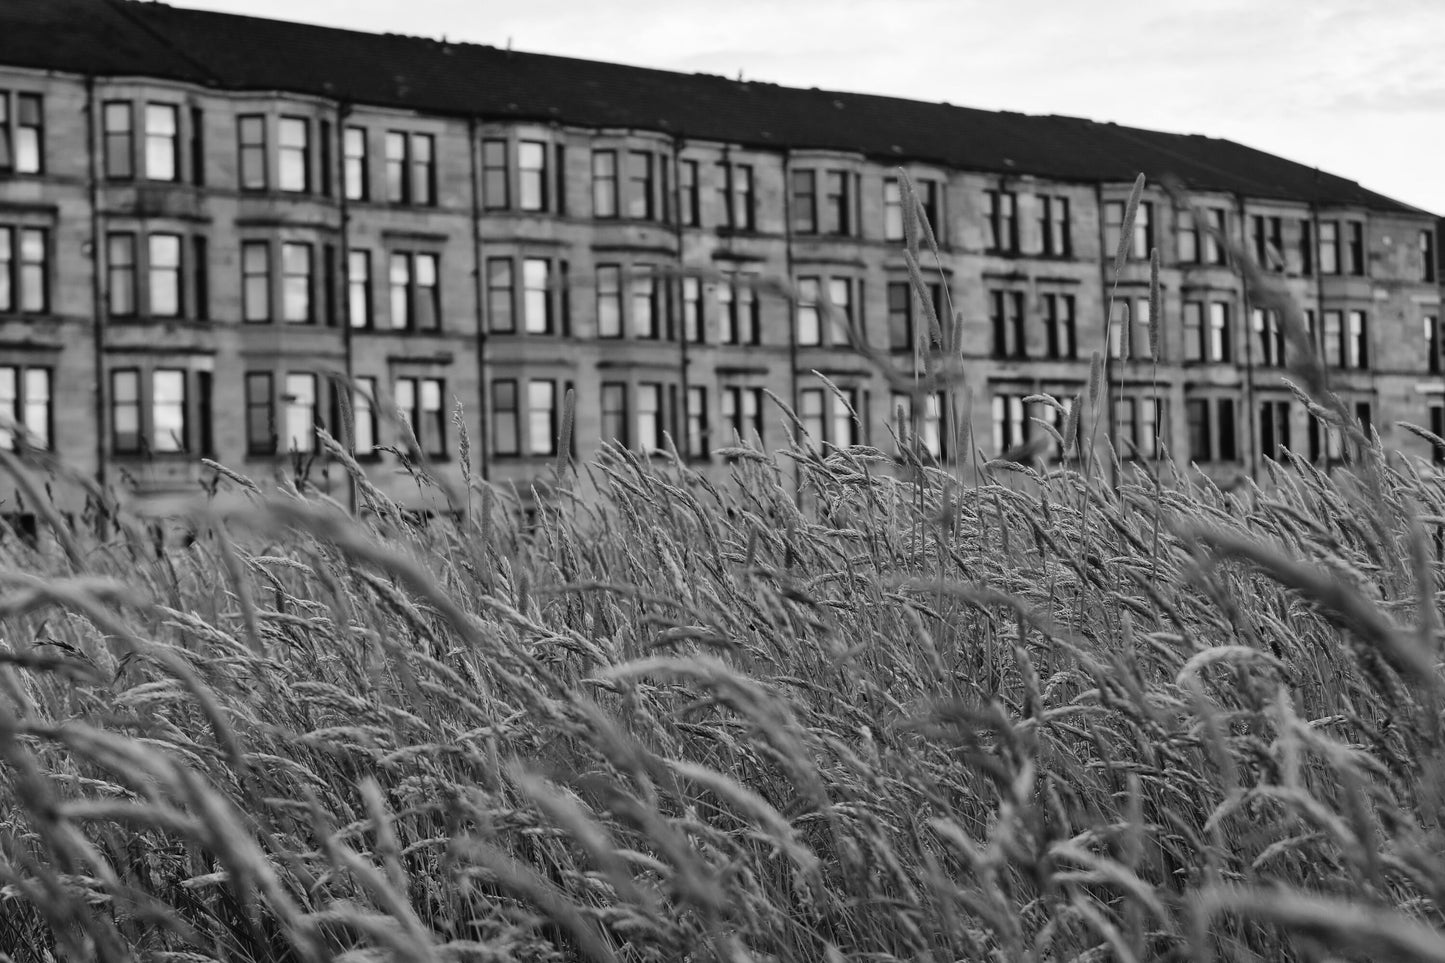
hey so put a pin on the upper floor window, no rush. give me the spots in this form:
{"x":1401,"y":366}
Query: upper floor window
{"x":296,"y":283}
{"x":153,"y":411}
{"x":1137,"y":422}
{"x":906,"y":315}
{"x":1357,"y":340}
{"x":119,"y":139}
{"x":1006,"y":314}
{"x":356,"y":166}
{"x":1054,"y":227}
{"x":696,"y":430}
{"x":532,"y":179}
{"x":829,"y":419}
{"x":1059,"y":326}
{"x":742,"y":413}
{"x":892,"y":209}
{"x":647,"y":320}
{"x":293,"y":167}
{"x":690,"y":193}
{"x":1212,"y":433}
{"x":251,"y":134}
{"x":22,"y":133}
{"x":1355,"y":247}
{"x":415,"y":297}
{"x":1214,"y":250}
{"x":1206,"y":331}
{"x":359,"y":306}
{"x":1002,"y":221}
{"x":1427,"y":256}
{"x":162,"y":142}
{"x":837,"y":210}
{"x":604,"y":183}
{"x":25,"y":404}
{"x":641,"y":202}
{"x":736,"y":191}
{"x":164,"y":275}
{"x":1266,"y":233}
{"x":1329,"y":247}
{"x":825,"y":312}
{"x":24,"y":269}
{"x":738,"y":305}
{"x":410,"y":168}
{"x":1142,"y":240}
{"x":1270,"y":332}
{"x":1431,"y":324}
{"x":805,"y":202}
{"x":609,"y":301}
{"x":420,"y":402}
{"x":1187,"y":237}
{"x":496,"y":184}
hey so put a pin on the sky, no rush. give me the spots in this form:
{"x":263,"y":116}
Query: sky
{"x":1356,"y":87}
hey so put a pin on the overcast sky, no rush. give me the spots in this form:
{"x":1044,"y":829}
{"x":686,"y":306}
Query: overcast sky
{"x":1356,"y":87}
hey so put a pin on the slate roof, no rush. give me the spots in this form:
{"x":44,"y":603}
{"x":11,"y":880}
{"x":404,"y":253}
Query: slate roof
{"x":248,"y":53}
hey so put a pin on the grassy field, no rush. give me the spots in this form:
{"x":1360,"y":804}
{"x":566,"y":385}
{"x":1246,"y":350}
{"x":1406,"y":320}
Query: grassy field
{"x":1066,"y":711}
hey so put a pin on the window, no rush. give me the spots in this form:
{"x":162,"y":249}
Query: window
{"x":1140,"y":347}
{"x":738,"y":304}
{"x":410,"y":168}
{"x":1329,"y":247}
{"x":1006,"y":312}
{"x":536,"y":295}
{"x":1062,"y":341}
{"x":496,"y":193}
{"x":1137,"y":421}
{"x":165,"y":275}
{"x":837,"y":208}
{"x":22,"y":133}
{"x":1011,"y":425}
{"x":25,"y":403}
{"x":840,"y":299}
{"x":930,"y":195}
{"x":260,"y":414}
{"x":1357,"y":341}
{"x":651,"y":425}
{"x":604,"y":183}
{"x":1214,"y":250}
{"x":805,"y":202}
{"x":1270,"y":332}
{"x":255,"y":281}
{"x":296,"y":269}
{"x":1142,"y":241}
{"x":1219,"y":347}
{"x":542,"y":417}
{"x":363,"y":417}
{"x":506,"y":433}
{"x":420,"y":403}
{"x":1002,"y":220}
{"x":1212,"y":433}
{"x":696,"y":440}
{"x":811,"y":417}
{"x":415,"y":301}
{"x":640,"y":185}
{"x":168,"y":411}
{"x":689,"y":189}
{"x":1306,"y":247}
{"x":1431,"y":324}
{"x":201,"y":259}
{"x":1427,"y":256}
{"x":644,"y":305}
{"x":356,"y":168}
{"x":1187,"y":237}
{"x":742,"y":413}
{"x":293,"y":168}
{"x":927,"y":431}
{"x":125,"y":431}
{"x":499,"y":294}
{"x":1054,"y":226}
{"x":692,"y":324}
{"x":1265,"y":232}
{"x":531,"y":175}
{"x":1274,"y":418}
{"x":251,"y":134}
{"x":1355,"y":247}
{"x":1437,"y":428}
{"x":892,"y":209}
{"x":358,"y":289}
{"x":162,"y":142}
{"x":120,"y":274}
{"x":905,"y":316}
{"x":1334,"y":338}
{"x":116,"y":122}
{"x":736,"y":190}
{"x":609,"y":301}
{"x":614,"y":413}
{"x":24,"y":281}
{"x":810,"y":329}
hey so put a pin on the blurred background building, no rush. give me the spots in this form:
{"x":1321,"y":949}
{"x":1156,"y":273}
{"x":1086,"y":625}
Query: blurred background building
{"x":218,"y":232}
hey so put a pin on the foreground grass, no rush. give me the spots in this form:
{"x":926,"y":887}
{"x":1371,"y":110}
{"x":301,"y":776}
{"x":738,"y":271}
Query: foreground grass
{"x":1048,"y":720}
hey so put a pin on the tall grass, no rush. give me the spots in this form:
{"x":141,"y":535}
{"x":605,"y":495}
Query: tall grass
{"x":1042,"y":716}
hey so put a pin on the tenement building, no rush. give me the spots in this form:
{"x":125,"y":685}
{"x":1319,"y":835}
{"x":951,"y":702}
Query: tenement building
{"x":219,"y":232}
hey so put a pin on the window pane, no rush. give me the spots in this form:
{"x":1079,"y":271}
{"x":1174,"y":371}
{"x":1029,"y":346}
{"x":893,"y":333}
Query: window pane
{"x":400,"y":291}
{"x":34,"y":290}
{"x":537,"y":298}
{"x":300,"y":412}
{"x":532,"y":169}
{"x":296,"y":287}
{"x":542,"y":417}
{"x":359,"y":288}
{"x":168,"y":411}
{"x":165,"y":275}
{"x":363,"y":414}
{"x":293,"y":135}
{"x":35,"y":415}
{"x":120,"y":273}
{"x":161,"y":132}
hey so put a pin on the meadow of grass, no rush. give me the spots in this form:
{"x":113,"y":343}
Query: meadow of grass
{"x":1071,"y":710}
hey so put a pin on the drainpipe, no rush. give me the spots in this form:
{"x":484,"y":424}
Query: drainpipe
{"x":1105,"y":398}
{"x":484,"y":445}
{"x":99,"y":306}
{"x":343,"y":111}
{"x":792,"y":307}
{"x":683,"y":360}
{"x":1247,"y":327}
